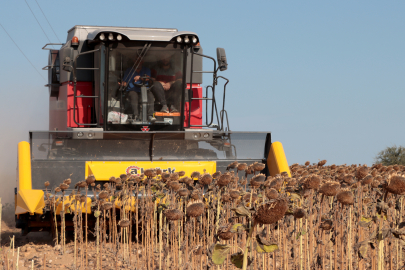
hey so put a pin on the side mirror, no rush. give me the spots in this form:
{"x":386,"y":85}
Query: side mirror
{"x":221,"y":57}
{"x":67,"y":64}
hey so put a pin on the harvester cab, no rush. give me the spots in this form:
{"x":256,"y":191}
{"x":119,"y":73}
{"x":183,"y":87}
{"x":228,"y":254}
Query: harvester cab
{"x":123,"y":100}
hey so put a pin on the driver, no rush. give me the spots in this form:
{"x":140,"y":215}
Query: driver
{"x":132,"y":78}
{"x":168,"y":80}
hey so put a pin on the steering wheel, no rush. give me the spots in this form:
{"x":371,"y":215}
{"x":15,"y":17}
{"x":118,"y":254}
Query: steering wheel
{"x":145,"y":81}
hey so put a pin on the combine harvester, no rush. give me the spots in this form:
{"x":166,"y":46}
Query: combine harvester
{"x":93,"y":129}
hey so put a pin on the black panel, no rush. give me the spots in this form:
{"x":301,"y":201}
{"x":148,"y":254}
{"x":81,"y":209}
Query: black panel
{"x":197,"y":66}
{"x":55,"y":172}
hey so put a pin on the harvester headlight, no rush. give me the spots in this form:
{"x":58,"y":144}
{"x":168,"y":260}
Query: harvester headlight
{"x":194,"y":39}
{"x":119,"y":37}
{"x":179,"y":40}
{"x":196,"y":136}
{"x":102,"y":37}
{"x":186,"y":39}
{"x":206,"y":135}
{"x":80,"y":134}
{"x":110,"y":36}
{"x":90,"y":135}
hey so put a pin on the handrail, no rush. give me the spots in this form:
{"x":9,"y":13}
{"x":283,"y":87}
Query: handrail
{"x":44,"y":48}
{"x":223,"y":104}
{"x":206,"y":98}
{"x":75,"y":89}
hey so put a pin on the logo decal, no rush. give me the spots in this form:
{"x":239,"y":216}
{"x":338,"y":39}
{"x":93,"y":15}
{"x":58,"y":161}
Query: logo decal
{"x":145,"y":128}
{"x":135,"y":170}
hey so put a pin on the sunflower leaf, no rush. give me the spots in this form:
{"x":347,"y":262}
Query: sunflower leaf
{"x":219,"y":254}
{"x":266,"y":248}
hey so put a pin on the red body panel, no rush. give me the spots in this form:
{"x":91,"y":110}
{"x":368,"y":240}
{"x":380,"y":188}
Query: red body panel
{"x":83,"y":105}
{"x":196,"y":107}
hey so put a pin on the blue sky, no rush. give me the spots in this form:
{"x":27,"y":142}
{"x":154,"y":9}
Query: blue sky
{"x":325,"y":77}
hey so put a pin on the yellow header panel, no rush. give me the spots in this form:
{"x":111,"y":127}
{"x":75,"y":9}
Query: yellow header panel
{"x":24,"y":166}
{"x":103,"y":170}
{"x":277,"y":161}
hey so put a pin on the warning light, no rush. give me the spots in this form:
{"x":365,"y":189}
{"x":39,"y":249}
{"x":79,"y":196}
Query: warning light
{"x":197,"y":45}
{"x":75,"y":41}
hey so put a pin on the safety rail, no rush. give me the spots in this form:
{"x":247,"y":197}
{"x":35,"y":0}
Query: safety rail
{"x":75,"y":89}
{"x":50,"y":44}
{"x":220,"y":119}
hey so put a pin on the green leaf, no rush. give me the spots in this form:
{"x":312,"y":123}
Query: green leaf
{"x":236,"y":226}
{"x":366,"y":219}
{"x":266,"y":248}
{"x":160,"y":195}
{"x":301,"y":233}
{"x":97,"y":213}
{"x":241,"y":211}
{"x":365,"y":222}
{"x":237,"y":260}
{"x":220,"y":253}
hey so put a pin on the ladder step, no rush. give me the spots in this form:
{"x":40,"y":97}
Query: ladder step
{"x":194,"y":71}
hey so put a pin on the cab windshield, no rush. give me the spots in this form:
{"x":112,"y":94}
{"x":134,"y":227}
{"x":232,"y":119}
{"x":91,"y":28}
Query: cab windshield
{"x":144,"y":86}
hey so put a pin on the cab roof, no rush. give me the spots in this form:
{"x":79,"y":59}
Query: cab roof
{"x":88,"y":32}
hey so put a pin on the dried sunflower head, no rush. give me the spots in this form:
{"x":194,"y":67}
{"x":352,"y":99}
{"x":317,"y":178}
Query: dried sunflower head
{"x":367,"y":180}
{"x":150,"y":173}
{"x":124,"y":223}
{"x":395,"y":184}
{"x":173,"y":214}
{"x":67,"y":181}
{"x":195,"y":174}
{"x":216,"y":175}
{"x":321,"y":163}
{"x":107,"y":206}
{"x":345,"y":197}
{"x":103,"y":195}
{"x":271,"y":212}
{"x":224,"y":180}
{"x":63,"y":186}
{"x":242,"y":166}
{"x":257,"y":167}
{"x":329,"y":188}
{"x":312,"y":182}
{"x":233,"y":165}
{"x":299,"y":213}
{"x":195,"y":209}
{"x":90,"y":179}
{"x":257,"y":180}
{"x":183,"y":192}
{"x":272,"y":194}
{"x":361,"y":172}
{"x":205,"y":179}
